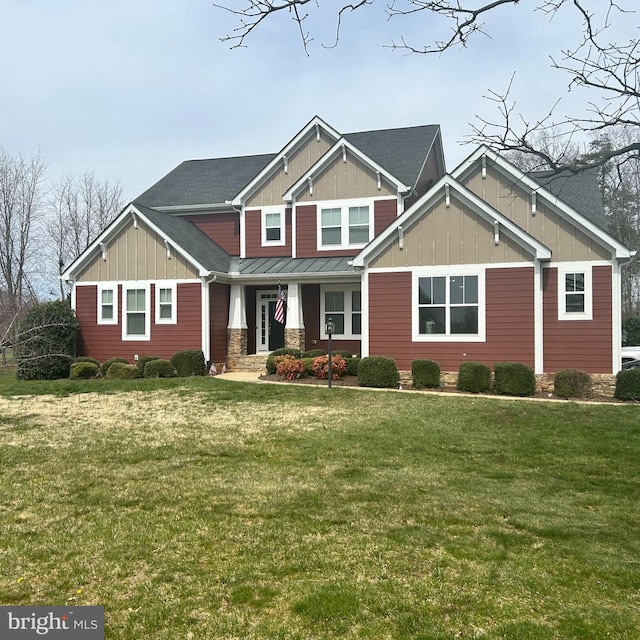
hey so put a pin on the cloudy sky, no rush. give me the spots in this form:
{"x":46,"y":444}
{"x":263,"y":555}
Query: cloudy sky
{"x":130,"y":88}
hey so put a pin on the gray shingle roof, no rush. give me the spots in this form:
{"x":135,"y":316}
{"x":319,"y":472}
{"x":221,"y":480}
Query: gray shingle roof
{"x":204,"y":182}
{"x":190,"y":239}
{"x":580,"y":191}
{"x":298,"y":266}
{"x":402,"y":151}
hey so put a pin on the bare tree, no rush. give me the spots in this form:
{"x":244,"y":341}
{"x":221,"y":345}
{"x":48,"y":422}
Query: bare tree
{"x":80,"y":207}
{"x":21,"y":209}
{"x":609,"y":70}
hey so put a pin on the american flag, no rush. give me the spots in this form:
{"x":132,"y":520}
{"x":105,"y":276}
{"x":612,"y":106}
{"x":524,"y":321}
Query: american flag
{"x":278,"y":315}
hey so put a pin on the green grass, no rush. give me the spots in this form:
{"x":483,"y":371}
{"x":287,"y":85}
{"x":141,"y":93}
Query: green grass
{"x":205,"y":508}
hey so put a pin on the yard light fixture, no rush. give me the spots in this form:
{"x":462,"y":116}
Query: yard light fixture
{"x":330,"y":330}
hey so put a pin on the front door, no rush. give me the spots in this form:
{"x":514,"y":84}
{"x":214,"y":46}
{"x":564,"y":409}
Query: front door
{"x":270,"y":334}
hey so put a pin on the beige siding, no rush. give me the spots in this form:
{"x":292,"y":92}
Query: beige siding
{"x":307,"y":153}
{"x":342,"y":180}
{"x":453,"y":235}
{"x":137,"y":254}
{"x":513,"y":200}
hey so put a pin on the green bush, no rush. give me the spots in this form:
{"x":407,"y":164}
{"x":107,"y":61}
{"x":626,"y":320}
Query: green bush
{"x":572,"y":383}
{"x":46,"y":342}
{"x":352,"y":366}
{"x":84,"y":371}
{"x":631,"y":328}
{"x":313,"y":353}
{"x":341,"y":352}
{"x":474,"y":377}
{"x":122,"y":370}
{"x":425,"y":374}
{"x":159,"y":368}
{"x":514,"y":379}
{"x":284,"y":351}
{"x":378,"y":371}
{"x":189,"y":362}
{"x":628,"y":384}
{"x":142,"y":362}
{"x":106,"y":365}
{"x":308,"y":365}
{"x":88,"y":359}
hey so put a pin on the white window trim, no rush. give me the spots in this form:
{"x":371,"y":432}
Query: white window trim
{"x":344,"y":205}
{"x":448,"y":271}
{"x":575,"y":267}
{"x":127,"y":286}
{"x":108,"y":286}
{"x":347,"y":289}
{"x":263,"y":226}
{"x":172,"y":285}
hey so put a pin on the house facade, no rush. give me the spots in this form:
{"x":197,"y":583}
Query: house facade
{"x":366,"y":229}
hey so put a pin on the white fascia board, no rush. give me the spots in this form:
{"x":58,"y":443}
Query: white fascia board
{"x":321,"y":277}
{"x":328,"y":157}
{"x":592,"y":230}
{"x":316,"y":121}
{"x":119,"y":223}
{"x":539,"y":250}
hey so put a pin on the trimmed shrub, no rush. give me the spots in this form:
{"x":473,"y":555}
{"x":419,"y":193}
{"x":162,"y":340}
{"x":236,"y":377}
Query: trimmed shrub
{"x":122,"y":370}
{"x":46,"y":342}
{"x":88,"y":359}
{"x":313,"y":353}
{"x":352,"y":366}
{"x":142,"y":362}
{"x":425,"y":374}
{"x":514,"y":379}
{"x":189,"y":362}
{"x":378,"y":371}
{"x":289,"y":367}
{"x":284,"y":351}
{"x":84,"y":371}
{"x":321,"y":367}
{"x":106,"y":365}
{"x":572,"y":383}
{"x":341,"y":352}
{"x":159,"y":368}
{"x":474,"y":377}
{"x":628,"y":384}
{"x":308,"y":366}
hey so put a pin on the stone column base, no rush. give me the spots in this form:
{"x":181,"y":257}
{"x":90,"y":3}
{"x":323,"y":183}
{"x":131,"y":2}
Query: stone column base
{"x":236,"y":345}
{"x":294,"y":339}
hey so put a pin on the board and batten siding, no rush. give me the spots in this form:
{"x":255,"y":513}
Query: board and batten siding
{"x":105,"y":341}
{"x":136,"y":254}
{"x":299,"y":161}
{"x":222,"y":228}
{"x":509,"y":322}
{"x":579,"y":344}
{"x":566,"y":241}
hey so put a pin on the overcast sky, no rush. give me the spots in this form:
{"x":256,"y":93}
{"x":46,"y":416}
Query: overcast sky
{"x":130,"y":88}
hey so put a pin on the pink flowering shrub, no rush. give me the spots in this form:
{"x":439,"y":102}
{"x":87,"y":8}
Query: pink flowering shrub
{"x":321,"y":367}
{"x":288,"y":367}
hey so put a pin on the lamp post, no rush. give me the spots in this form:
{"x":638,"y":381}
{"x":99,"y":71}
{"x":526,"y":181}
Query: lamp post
{"x":330,"y":329}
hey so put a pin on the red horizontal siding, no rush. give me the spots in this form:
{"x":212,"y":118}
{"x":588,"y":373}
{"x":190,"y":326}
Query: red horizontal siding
{"x":509,"y":322}
{"x":579,"y":344}
{"x":219,"y":319}
{"x":105,"y":341}
{"x":253,"y":228}
{"x":222,"y":228}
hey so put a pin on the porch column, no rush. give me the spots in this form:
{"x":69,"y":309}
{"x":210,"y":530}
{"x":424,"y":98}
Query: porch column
{"x":237,"y":328}
{"x":294,"y":328}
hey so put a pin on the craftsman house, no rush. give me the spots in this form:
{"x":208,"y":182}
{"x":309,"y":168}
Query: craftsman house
{"x":484,"y":263}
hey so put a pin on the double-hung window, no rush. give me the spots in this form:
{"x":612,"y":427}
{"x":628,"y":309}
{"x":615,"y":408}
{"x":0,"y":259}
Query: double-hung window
{"x":166,"y":303}
{"x":344,"y":225}
{"x":449,"y":306}
{"x":574,"y":292}
{"x":273,"y":225}
{"x":341,"y":305}
{"x":136,"y":317}
{"x":107,"y":303}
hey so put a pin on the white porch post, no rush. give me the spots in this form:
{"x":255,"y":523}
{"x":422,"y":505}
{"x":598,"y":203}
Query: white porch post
{"x":237,"y":327}
{"x":294,"y":335}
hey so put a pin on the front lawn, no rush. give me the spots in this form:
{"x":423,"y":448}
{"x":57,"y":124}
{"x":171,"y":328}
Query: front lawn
{"x":205,"y":508}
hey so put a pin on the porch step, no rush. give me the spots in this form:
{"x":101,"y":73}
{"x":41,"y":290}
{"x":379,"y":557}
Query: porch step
{"x":254,"y":362}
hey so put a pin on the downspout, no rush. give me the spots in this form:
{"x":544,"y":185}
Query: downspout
{"x":206,"y":315}
{"x":243,"y":241}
